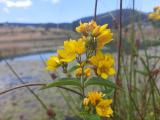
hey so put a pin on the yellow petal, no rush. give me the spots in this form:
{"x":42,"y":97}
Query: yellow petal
{"x":80,"y":46}
{"x":104,"y":75}
{"x":87,"y":72}
{"x":103,"y":108}
{"x":104,"y":38}
{"x":96,"y":31}
{"x":86,"y":101}
{"x":103,"y":27}
{"x":112,"y":71}
{"x":78,"y":72}
{"x":52,"y":63}
{"x":66,"y":56}
{"x":109,"y":112}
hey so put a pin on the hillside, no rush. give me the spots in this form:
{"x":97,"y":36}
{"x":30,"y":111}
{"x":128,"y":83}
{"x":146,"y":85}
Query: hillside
{"x":109,"y":16}
{"x":101,"y":19}
{"x":24,"y":40}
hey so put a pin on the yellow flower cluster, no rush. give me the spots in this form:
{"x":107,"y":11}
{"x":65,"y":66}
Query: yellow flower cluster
{"x":103,"y":64}
{"x":87,"y":52}
{"x":87,"y":72}
{"x":101,"y":34}
{"x":72,"y":48}
{"x":93,"y":39}
{"x":155,"y":16}
{"x":101,"y":105}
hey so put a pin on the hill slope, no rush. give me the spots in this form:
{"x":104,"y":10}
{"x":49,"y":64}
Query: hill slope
{"x":101,"y":19}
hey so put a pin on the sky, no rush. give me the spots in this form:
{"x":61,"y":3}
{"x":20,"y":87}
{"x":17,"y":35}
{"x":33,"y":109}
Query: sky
{"x":59,"y":11}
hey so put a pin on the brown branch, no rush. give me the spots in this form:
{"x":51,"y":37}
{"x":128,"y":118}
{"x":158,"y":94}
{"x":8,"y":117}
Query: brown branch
{"x":21,"y":86}
{"x":71,"y":90}
{"x":95,"y":10}
{"x":38,"y":84}
{"x":22,"y":82}
{"x":118,"y":81}
{"x":119,"y":43}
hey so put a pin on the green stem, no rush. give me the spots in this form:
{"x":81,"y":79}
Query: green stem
{"x":82,"y":82}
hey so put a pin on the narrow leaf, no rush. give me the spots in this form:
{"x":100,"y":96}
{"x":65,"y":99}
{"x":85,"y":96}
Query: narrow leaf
{"x":99,"y":81}
{"x":64,"y":81}
{"x":73,"y":68}
{"x":93,"y":117}
{"x":142,"y":72}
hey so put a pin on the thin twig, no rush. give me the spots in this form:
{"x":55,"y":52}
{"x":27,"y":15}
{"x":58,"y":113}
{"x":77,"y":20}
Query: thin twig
{"x":38,"y":84}
{"x":95,"y":10}
{"x":120,"y":42}
{"x":21,"y":86}
{"x":70,"y":90}
{"x":30,"y":90}
{"x":119,"y":53}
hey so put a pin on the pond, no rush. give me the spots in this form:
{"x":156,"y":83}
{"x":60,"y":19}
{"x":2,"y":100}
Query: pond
{"x":29,"y":67}
{"x":20,"y":102}
{"x":30,"y":57}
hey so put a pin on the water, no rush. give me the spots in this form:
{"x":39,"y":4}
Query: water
{"x":28,"y":67}
{"x":32,"y":57}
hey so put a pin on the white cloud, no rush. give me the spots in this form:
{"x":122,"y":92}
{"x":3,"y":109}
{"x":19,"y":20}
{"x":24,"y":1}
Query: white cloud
{"x":22,"y":19}
{"x":17,"y":3}
{"x":6,"y":10}
{"x":55,"y":1}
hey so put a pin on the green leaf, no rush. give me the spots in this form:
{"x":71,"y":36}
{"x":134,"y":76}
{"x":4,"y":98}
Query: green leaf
{"x":93,"y":117}
{"x":145,"y":65}
{"x":108,"y":92}
{"x":153,"y":57}
{"x":142,"y":72}
{"x":99,"y":81}
{"x":64,"y":81}
{"x":73,"y":68}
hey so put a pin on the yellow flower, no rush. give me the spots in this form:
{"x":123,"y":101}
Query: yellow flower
{"x":69,"y":45}
{"x":86,"y":28}
{"x":68,"y":53}
{"x":94,"y":60}
{"x":157,"y":8}
{"x":66,"y":56}
{"x":103,"y":108}
{"x":104,"y":38}
{"x":105,"y":69}
{"x":103,"y":64}
{"x":52,"y":63}
{"x":85,"y":101}
{"x":151,"y":15}
{"x":87,"y":72}
{"x":81,"y":27}
{"x":95,"y":97}
{"x":102,"y":34}
{"x":80,"y":46}
{"x":155,"y":16}
{"x":71,"y":48}
{"x":79,"y":72}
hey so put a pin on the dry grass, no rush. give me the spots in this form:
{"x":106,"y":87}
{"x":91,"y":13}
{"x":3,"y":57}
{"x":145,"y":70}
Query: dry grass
{"x":22,"y":40}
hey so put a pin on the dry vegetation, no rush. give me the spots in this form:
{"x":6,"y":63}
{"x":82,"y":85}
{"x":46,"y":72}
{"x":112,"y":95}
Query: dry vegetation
{"x":23,"y":40}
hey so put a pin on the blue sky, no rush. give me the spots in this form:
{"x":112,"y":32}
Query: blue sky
{"x":58,"y":11}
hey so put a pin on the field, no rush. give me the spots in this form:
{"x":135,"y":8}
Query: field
{"x":27,"y":40}
{"x":101,"y":67}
